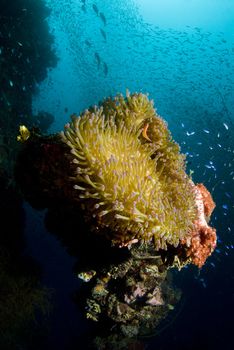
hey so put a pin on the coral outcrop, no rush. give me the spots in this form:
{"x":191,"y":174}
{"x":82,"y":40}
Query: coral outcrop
{"x":116,"y":179}
{"x":118,"y":164}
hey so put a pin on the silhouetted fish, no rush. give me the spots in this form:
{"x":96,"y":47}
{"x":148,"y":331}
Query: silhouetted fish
{"x":88,"y":43}
{"x":95,"y":9}
{"x":103,"y":33}
{"x":103,"y":18}
{"x":105,"y":68}
{"x":83,"y":8}
{"x":98,"y":59}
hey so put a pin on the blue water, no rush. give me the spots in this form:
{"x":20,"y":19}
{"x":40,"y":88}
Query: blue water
{"x":182,"y":54}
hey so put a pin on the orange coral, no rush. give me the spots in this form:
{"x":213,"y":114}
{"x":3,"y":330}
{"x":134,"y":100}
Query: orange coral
{"x":208,"y":202}
{"x":203,"y":243}
{"x":203,"y":237}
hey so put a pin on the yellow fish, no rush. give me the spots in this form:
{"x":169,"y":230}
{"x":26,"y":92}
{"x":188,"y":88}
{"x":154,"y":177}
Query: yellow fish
{"x":24,"y":134}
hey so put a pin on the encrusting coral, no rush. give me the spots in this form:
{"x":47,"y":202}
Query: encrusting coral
{"x":202,"y":241}
{"x":130,"y":175}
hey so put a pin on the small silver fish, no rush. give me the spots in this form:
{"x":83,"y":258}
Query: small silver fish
{"x":225,"y":125}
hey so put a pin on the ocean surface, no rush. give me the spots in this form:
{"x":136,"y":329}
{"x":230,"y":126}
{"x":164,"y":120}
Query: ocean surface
{"x":179,"y":52}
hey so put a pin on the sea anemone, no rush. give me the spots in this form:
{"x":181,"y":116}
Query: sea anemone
{"x":130,"y":175}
